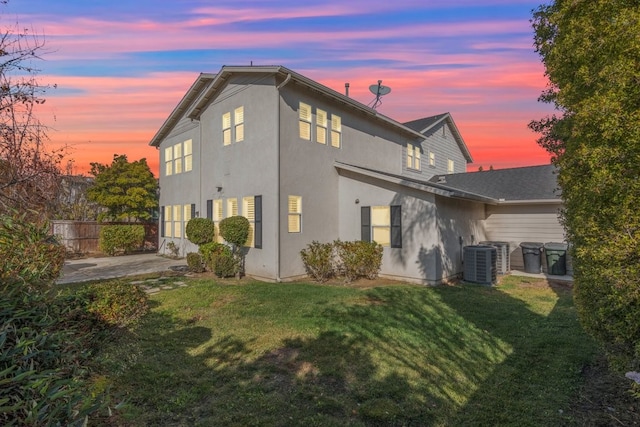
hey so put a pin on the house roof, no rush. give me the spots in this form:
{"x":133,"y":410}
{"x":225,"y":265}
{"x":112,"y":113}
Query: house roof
{"x":425,"y":124}
{"x":531,"y":183}
{"x":422,"y":185}
{"x":207,"y":87}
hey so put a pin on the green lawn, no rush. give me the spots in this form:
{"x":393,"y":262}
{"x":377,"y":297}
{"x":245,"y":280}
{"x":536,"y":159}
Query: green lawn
{"x":310,"y":354}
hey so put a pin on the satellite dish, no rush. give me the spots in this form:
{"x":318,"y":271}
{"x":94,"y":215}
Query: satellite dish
{"x":379,"y":91}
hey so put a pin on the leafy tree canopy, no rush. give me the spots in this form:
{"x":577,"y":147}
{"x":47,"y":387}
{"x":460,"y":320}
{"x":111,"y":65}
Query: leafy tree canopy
{"x":591,"y":53}
{"x":128,"y":190}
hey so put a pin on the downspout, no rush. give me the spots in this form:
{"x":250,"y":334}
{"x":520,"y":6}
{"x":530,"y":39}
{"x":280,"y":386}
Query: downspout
{"x":278,"y":242}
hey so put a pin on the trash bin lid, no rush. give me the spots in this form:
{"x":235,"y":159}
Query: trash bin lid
{"x":554,"y":246}
{"x":531,"y":245}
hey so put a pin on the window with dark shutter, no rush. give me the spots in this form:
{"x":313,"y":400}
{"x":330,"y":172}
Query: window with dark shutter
{"x":258,"y":220}
{"x":193,"y":210}
{"x":396,"y":226}
{"x":365,"y":223}
{"x":161,"y":221}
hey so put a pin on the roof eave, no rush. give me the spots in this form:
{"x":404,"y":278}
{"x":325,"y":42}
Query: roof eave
{"x":530,"y":202}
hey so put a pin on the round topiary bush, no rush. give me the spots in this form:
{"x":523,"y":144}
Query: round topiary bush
{"x":200,"y":230}
{"x":235,"y":230}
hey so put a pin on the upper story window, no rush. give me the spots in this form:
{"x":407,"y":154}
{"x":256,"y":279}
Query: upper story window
{"x":178,"y":158}
{"x":321,"y":126}
{"x":450,"y":166}
{"x":413,"y":156}
{"x":304,"y":120}
{"x":336,"y":131}
{"x":432,"y":158}
{"x":237,"y":126}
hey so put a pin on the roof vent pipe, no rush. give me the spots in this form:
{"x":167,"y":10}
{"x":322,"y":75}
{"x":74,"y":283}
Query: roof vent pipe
{"x":346,"y":89}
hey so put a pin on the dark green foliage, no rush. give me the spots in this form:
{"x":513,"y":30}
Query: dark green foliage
{"x":30,"y":256}
{"x":351,"y":260}
{"x":115,"y":303}
{"x":318,"y":260}
{"x":43,"y":362}
{"x":116,"y":239}
{"x":200,"y":231}
{"x":225,"y":264}
{"x":195,"y":262}
{"x":129,"y":191}
{"x":358,"y":259}
{"x":235,"y":230}
{"x":591,"y":53}
{"x":211,"y":250}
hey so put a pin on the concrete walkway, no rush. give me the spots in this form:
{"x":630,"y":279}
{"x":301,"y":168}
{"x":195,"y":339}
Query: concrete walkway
{"x":86,"y":269}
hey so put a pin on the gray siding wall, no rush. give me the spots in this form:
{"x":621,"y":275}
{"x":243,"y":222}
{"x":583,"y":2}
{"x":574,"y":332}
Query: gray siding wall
{"x":524,"y":223}
{"x":440,"y":140}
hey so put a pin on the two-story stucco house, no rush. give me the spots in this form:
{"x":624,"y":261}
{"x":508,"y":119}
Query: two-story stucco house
{"x":304,"y":162}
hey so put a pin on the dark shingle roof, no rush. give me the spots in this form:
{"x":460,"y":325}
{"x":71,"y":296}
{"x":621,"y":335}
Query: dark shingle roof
{"x":525,"y":183}
{"x":421,"y":124}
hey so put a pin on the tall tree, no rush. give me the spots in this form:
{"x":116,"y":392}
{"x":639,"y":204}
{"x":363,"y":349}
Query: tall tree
{"x":28,"y":170}
{"x":128,"y":191}
{"x":591,"y":53}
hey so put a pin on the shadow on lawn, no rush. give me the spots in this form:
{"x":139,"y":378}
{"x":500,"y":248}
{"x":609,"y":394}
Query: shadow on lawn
{"x":406,"y":356}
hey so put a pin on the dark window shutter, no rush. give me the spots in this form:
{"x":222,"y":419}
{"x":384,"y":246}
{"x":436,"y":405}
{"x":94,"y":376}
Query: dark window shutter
{"x":257,"y":232}
{"x":210,"y":209}
{"x":365,"y":223}
{"x":193,"y":210}
{"x":161,"y":221}
{"x":396,"y":226}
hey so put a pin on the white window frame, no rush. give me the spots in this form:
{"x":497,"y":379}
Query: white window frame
{"x":168,"y":221}
{"x":294,"y":214}
{"x":249,"y":212}
{"x":238,"y":121}
{"x":218,"y":215}
{"x":336,"y":131}
{"x":232,"y":207}
{"x":168,"y":161}
{"x":432,"y":158}
{"x":188,"y":155}
{"x":381,"y":225}
{"x":413,"y":157}
{"x":450,"y":166}
{"x":177,"y":221}
{"x":226,"y":128}
{"x":177,"y":158}
{"x":321,"y":126}
{"x":304,"y":121}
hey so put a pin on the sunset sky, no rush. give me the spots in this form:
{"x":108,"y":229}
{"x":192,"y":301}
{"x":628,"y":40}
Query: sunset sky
{"x":121,"y":67}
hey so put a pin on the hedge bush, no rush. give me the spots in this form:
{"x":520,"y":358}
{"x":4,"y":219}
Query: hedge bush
{"x":115,"y":303}
{"x":210,"y":250}
{"x":351,"y":260}
{"x":318,"y":260}
{"x":200,"y":230}
{"x":195,"y":262}
{"x":115,"y":239}
{"x":30,"y":256}
{"x":225,"y":264}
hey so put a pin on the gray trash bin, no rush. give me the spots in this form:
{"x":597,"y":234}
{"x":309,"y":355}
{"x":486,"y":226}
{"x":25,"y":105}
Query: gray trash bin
{"x":556,"y":254}
{"x":531,"y":256}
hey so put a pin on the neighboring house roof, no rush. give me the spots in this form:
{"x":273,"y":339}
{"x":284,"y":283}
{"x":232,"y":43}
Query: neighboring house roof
{"x":426,"y":186}
{"x":425,"y":124}
{"x":207,"y":87}
{"x":531,"y":183}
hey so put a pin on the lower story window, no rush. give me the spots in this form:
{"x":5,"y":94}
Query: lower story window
{"x":382,"y":224}
{"x":295,"y":214}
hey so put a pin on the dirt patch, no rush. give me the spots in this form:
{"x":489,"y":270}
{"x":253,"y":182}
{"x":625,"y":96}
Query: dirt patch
{"x":604,"y":399}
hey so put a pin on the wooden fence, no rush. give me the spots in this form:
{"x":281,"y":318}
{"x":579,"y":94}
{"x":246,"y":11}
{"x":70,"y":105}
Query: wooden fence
{"x":81,"y":237}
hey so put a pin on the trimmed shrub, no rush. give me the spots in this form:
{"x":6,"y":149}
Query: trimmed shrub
{"x":116,"y":239}
{"x":195,"y":262}
{"x":115,"y":303}
{"x":359,"y":259}
{"x":318,"y":260}
{"x":200,"y":230}
{"x":225,"y":264}
{"x":210,"y":250}
{"x":235,"y":230}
